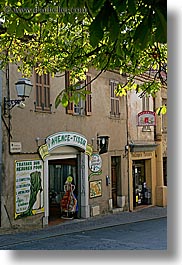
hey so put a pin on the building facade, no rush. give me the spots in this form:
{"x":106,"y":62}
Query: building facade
{"x":95,"y":142}
{"x":147,"y":148}
{"x":33,"y":185}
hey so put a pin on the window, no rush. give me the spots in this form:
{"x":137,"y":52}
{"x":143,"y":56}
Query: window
{"x":145,"y":103}
{"x":114,"y":100}
{"x":42,"y":85}
{"x":145,"y":106}
{"x":84,"y":106}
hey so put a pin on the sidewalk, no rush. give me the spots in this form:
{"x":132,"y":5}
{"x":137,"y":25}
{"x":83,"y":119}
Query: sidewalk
{"x":78,"y":225}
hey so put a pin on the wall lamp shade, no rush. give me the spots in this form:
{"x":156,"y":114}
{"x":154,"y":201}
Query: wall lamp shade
{"x":23,"y":87}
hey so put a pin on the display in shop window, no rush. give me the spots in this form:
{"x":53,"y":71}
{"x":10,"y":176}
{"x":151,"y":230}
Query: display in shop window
{"x":69,"y":204}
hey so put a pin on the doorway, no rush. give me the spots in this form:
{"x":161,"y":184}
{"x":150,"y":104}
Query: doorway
{"x":141,"y":183}
{"x":115,"y":178}
{"x":59,"y":170}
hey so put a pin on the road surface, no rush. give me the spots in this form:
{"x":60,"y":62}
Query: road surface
{"x":151,"y":235}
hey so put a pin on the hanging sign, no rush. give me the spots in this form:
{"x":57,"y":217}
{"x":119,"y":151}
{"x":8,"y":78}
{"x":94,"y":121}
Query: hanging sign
{"x":28,"y":188}
{"x":146,"y":118}
{"x":66,"y":138}
{"x":95,"y":163}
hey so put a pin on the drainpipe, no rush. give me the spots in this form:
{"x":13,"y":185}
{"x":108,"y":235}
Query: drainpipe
{"x":128,"y":156}
{"x":1,"y":138}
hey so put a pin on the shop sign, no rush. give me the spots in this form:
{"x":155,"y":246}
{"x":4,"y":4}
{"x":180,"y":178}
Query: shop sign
{"x":141,"y":154}
{"x":146,"y":118}
{"x":66,"y":138}
{"x":28,"y":188}
{"x":95,"y":163}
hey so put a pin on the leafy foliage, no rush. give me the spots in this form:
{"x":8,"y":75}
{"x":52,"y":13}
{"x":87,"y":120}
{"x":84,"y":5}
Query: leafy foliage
{"x":54,"y":36}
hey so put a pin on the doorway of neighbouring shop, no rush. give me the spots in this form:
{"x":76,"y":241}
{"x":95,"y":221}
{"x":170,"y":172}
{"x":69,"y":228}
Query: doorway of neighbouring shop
{"x":59,"y":171}
{"x":141,"y":190}
{"x":115,"y":178}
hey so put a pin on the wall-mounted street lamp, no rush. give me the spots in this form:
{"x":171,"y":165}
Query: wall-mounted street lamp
{"x":103,"y":142}
{"x":23,"y":88}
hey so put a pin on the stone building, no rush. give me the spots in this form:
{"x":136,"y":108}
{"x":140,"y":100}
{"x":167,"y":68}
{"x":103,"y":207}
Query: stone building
{"x":95,"y":142}
{"x":66,"y":134}
{"x":147,"y":148}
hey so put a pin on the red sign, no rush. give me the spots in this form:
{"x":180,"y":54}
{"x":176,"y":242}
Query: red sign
{"x":146,"y":118}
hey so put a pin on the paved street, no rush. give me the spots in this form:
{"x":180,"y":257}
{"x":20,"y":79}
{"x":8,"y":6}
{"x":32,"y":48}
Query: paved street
{"x":151,"y":235}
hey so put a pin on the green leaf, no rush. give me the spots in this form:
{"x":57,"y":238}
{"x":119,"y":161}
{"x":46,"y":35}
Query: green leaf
{"x":142,"y":33}
{"x":27,"y":26}
{"x":76,"y":98}
{"x":57,"y":101}
{"x":86,"y":92}
{"x":64,"y":100}
{"x":96,"y":32}
{"x":119,"y":50}
{"x":161,"y":110}
{"x":113,"y":25}
{"x":97,"y":4}
{"x":119,"y":5}
{"x":132,"y":7}
{"x":161,"y":31}
{"x":20,"y":30}
{"x":12,"y":27}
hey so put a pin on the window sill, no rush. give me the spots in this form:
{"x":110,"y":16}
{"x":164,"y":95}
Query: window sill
{"x":43,"y":109}
{"x":115,"y":117}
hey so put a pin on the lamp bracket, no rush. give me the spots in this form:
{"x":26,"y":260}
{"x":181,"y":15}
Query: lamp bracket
{"x":11,"y":103}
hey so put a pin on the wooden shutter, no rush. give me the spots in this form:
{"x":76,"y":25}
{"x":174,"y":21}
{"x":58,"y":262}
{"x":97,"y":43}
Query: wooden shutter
{"x":88,"y":102}
{"x":69,"y":108}
{"x":42,"y":85}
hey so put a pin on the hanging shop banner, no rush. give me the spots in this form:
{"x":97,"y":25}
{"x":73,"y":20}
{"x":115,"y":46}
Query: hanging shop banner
{"x":29,"y":188}
{"x":89,"y":149}
{"x":66,"y":138}
{"x":43,"y":151}
{"x":146,"y":118}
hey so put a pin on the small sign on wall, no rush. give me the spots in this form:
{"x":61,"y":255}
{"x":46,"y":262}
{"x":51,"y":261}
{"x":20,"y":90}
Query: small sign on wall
{"x":15,"y":147}
{"x":95,"y":188}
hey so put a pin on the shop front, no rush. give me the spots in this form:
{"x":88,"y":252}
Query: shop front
{"x":142,"y":176}
{"x":65,"y":177}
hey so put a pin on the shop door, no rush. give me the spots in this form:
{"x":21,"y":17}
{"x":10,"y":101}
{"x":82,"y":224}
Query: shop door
{"x":138,"y":181}
{"x":114,"y":186}
{"x":59,"y":170}
{"x":115,"y":177}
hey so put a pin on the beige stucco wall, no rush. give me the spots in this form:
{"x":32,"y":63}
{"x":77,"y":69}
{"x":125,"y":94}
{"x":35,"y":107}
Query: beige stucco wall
{"x":27,"y":126}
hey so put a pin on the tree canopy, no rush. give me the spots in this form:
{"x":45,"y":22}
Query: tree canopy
{"x":53,"y":36}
